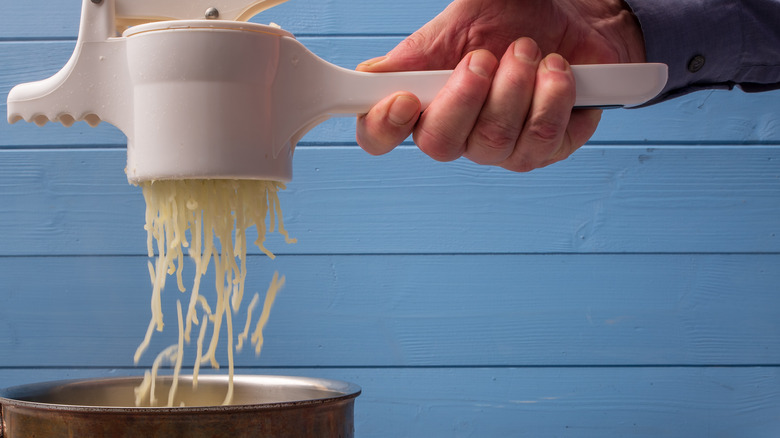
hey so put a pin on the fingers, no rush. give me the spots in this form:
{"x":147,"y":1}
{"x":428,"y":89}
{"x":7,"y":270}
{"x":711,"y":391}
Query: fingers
{"x":445,"y":126}
{"x":544,"y":129}
{"x":388,"y":123}
{"x":551,"y":130}
{"x":517,"y":114}
{"x":502,"y":117}
{"x":391,"y":121}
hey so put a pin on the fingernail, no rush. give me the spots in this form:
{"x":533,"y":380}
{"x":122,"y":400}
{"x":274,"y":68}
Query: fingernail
{"x":372,"y":62}
{"x":555,"y":62}
{"x":403,"y":110}
{"x":527,"y":50}
{"x":482,"y":63}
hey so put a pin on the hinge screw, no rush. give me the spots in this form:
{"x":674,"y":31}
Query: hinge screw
{"x":211,"y":13}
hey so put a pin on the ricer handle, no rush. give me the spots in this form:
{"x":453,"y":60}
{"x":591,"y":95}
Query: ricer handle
{"x":315,"y":90}
{"x":598,"y":85}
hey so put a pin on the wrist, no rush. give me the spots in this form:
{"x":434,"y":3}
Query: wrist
{"x":631,"y":31}
{"x":618,"y":34}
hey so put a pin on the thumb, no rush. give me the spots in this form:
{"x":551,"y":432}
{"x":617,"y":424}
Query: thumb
{"x":404,"y":57}
{"x":438,"y":45}
{"x":422,"y":50}
{"x":378,"y":64}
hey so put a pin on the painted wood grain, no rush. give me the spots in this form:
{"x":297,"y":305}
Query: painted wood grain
{"x":719,"y":117}
{"x":540,"y":402}
{"x":616,"y":199}
{"x":426,"y":310}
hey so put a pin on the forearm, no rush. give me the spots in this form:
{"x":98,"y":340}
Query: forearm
{"x":712,"y":43}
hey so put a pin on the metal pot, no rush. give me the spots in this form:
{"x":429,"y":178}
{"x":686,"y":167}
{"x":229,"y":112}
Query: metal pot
{"x":263,"y":406}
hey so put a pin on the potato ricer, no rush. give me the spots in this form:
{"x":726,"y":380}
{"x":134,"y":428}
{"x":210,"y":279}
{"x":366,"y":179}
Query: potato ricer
{"x":201,"y":93}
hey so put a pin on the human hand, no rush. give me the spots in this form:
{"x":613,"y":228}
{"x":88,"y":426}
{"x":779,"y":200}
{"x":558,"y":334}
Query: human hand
{"x":509,"y":101}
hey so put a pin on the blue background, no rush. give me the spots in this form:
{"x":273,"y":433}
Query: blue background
{"x":632,"y":290}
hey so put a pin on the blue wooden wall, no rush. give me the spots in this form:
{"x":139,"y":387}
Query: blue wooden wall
{"x":633,"y":290}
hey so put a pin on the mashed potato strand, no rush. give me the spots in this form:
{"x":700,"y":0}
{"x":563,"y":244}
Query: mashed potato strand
{"x":215,"y":215}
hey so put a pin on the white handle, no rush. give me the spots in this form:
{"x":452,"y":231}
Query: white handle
{"x":354,"y":92}
{"x":601,"y":85}
{"x":618,"y":85}
{"x":308,"y":90}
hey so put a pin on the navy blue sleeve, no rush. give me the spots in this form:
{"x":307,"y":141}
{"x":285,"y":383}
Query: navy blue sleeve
{"x":712,"y":43}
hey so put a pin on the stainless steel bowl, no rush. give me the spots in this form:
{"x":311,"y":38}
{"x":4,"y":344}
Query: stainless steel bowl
{"x":263,"y":406}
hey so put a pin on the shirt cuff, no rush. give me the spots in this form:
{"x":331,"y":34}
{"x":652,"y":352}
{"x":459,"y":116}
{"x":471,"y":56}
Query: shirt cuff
{"x":700,"y":41}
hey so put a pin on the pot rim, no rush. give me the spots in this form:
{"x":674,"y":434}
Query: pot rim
{"x":342,"y":391}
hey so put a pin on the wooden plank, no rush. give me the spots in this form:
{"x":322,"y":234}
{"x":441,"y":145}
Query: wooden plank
{"x":40,"y":19}
{"x":540,"y":402}
{"x":56,"y":19}
{"x":719,"y":117}
{"x":427,"y":310}
{"x":603,"y":199}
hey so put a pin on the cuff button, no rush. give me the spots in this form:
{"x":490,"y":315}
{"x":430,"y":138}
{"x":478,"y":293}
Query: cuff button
{"x":696,"y":63}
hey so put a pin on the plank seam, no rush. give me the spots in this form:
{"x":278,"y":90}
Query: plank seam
{"x":410,"y":145}
{"x":422,"y":254}
{"x":403,"y":367}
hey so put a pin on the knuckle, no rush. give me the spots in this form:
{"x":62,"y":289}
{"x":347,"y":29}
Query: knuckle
{"x":495,"y":133}
{"x":416,"y":42}
{"x":469,"y":96}
{"x":438,"y":145}
{"x":415,"y":47}
{"x":544,"y":130}
{"x":492,"y":140}
{"x":521,"y":76}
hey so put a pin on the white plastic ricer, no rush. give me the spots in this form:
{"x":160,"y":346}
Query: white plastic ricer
{"x":201,"y":93}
